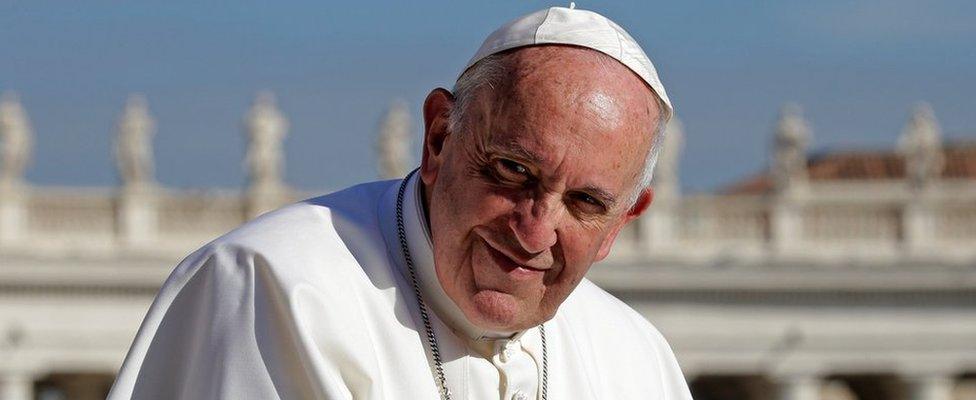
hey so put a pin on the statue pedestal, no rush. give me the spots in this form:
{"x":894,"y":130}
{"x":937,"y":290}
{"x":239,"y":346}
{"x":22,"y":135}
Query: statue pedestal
{"x":264,"y":198}
{"x":918,"y":222}
{"x":657,"y":225}
{"x":13,"y":212}
{"x":138,"y":214}
{"x":786,"y":219}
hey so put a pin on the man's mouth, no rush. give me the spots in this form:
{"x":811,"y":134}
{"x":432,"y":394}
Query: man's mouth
{"x":508,"y":262}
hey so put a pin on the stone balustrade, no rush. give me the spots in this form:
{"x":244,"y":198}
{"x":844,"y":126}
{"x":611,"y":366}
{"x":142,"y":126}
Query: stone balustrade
{"x":871,"y":221}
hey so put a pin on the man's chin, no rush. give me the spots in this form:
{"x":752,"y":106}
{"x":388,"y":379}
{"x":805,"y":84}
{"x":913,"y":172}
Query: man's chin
{"x":497,"y":311}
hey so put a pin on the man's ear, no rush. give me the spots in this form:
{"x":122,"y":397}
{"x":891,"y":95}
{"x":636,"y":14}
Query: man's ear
{"x":643,"y":202}
{"x":437,"y":109}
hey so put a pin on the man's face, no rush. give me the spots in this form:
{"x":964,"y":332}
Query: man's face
{"x":536,"y":184}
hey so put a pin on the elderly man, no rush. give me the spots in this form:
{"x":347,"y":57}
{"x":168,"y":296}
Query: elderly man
{"x":462,"y":281}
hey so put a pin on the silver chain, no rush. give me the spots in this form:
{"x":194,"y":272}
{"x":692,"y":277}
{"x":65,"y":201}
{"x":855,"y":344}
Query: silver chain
{"x":431,"y":340}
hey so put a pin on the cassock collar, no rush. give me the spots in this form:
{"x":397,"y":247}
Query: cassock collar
{"x":421,"y":252}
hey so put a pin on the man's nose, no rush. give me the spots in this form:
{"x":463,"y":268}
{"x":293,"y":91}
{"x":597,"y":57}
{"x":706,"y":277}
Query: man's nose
{"x":534,"y":224}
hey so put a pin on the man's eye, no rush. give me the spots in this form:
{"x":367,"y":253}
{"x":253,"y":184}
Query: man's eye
{"x":588,"y":202}
{"x":512,"y":171}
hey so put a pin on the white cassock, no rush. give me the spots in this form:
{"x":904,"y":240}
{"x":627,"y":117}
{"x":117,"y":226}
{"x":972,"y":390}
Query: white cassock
{"x":313,"y":301}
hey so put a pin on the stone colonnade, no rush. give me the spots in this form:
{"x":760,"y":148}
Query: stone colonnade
{"x":944,"y":386}
{"x":16,"y":385}
{"x":21,"y":385}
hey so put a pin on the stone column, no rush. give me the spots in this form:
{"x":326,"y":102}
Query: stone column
{"x":15,"y":385}
{"x":81,"y":386}
{"x":930,"y":387}
{"x":799,"y":387}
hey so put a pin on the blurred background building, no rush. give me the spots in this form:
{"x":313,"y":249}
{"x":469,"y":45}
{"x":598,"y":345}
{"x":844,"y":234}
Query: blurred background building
{"x":843,"y":275}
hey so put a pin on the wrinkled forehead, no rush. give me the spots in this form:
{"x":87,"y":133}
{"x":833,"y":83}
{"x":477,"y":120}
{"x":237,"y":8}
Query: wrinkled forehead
{"x":557,"y":79}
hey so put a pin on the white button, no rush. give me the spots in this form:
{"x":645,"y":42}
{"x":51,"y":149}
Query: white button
{"x":519,"y":396}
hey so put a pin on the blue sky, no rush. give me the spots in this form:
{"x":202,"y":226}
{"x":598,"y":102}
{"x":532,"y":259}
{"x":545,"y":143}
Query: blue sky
{"x":856,"y":67}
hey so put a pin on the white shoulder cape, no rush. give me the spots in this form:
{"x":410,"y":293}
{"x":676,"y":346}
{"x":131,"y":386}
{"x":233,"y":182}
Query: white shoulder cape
{"x":305,"y":303}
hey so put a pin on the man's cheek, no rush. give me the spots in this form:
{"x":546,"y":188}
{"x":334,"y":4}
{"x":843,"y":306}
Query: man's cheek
{"x":491,"y":204}
{"x":583,"y":254}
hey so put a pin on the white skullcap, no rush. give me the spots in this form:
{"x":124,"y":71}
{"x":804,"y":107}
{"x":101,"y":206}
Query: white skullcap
{"x":569,"y":26}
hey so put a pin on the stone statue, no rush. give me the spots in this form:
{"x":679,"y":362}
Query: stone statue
{"x":921,"y":145}
{"x":393,"y":145}
{"x":265,"y":128}
{"x":789,"y":166}
{"x":666,"y":168}
{"x":133,"y":145}
{"x":15,"y":137}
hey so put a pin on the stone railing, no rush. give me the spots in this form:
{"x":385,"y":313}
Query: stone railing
{"x":47,"y":221}
{"x":870,"y":220}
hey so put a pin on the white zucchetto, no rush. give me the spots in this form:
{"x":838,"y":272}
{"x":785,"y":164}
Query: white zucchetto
{"x":570,"y":26}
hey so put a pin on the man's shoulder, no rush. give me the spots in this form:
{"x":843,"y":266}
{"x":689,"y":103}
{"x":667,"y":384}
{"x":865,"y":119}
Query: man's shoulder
{"x":608,"y":333}
{"x":312,"y":220}
{"x":589,"y":306}
{"x":311,"y":236}
{"x":590,"y":301}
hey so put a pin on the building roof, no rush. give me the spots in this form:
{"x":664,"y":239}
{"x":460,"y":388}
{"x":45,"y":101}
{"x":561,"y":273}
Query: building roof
{"x":960,"y":163}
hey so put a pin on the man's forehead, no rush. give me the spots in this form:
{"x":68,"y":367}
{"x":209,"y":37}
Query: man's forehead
{"x":586,"y":78}
{"x":563,"y":90}
{"x":605,"y":109}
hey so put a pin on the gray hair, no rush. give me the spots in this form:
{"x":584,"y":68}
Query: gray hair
{"x":491,"y":70}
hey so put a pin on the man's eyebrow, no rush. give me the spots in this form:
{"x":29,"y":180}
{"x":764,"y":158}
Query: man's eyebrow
{"x":513,"y":148}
